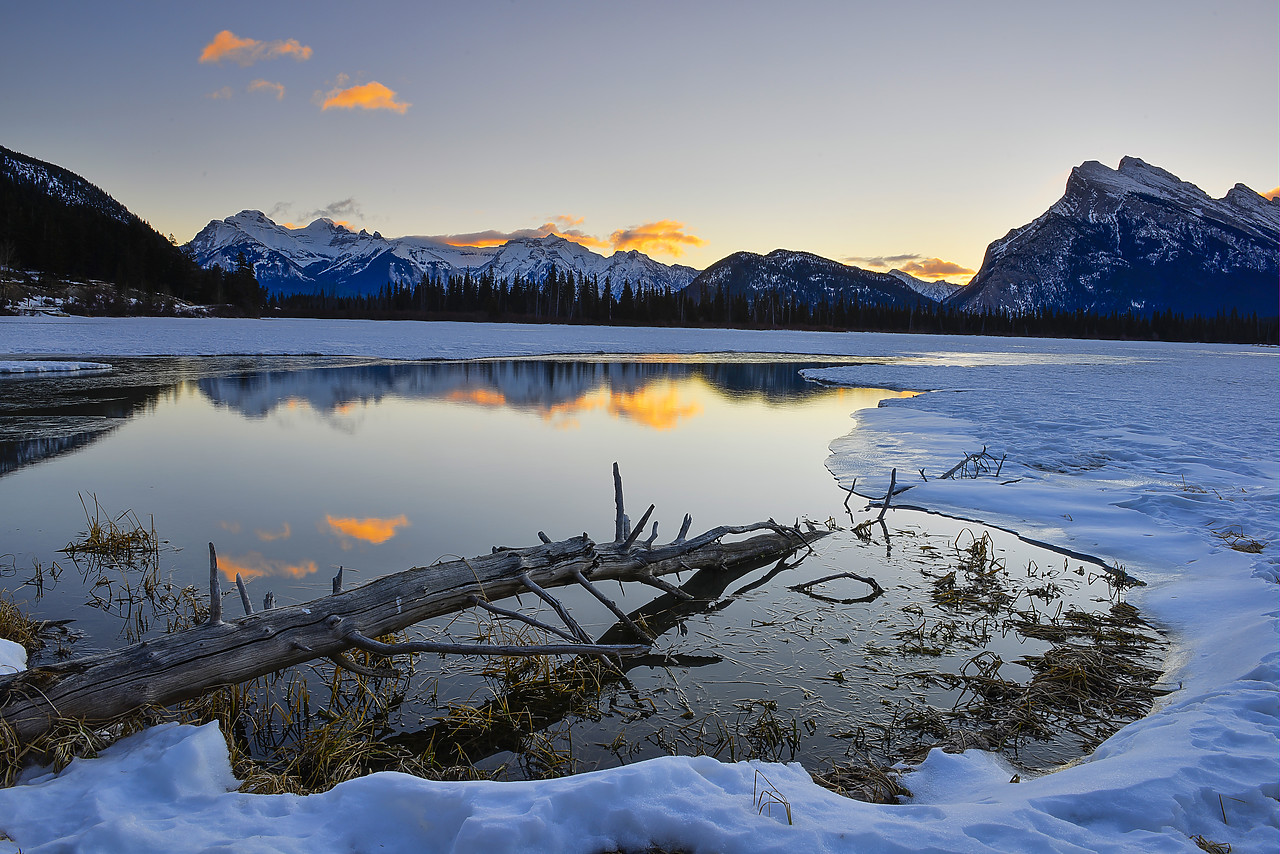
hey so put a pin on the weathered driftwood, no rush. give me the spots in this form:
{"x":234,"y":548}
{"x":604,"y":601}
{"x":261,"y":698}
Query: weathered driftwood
{"x":172,"y":668}
{"x":981,"y":463}
{"x":503,"y":723}
{"x":807,"y":588}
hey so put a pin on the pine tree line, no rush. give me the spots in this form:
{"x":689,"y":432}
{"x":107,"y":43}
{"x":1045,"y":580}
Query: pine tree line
{"x":571,"y":297}
{"x":80,"y":242}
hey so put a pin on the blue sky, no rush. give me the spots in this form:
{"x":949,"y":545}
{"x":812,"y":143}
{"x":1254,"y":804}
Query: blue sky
{"x":853,"y":129}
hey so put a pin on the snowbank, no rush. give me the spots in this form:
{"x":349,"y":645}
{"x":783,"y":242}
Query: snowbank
{"x":12,"y":657}
{"x":1154,"y":456}
{"x":39,"y":366}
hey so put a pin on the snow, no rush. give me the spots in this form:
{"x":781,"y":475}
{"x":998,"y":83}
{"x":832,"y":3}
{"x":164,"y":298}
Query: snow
{"x":42,"y":366}
{"x":12,"y":657}
{"x":1136,"y":453}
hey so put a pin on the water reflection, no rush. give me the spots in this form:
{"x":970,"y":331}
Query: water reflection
{"x":427,"y":458}
{"x":645,"y":391}
{"x":371,"y":530}
{"x":254,"y":565}
{"x":42,"y":418}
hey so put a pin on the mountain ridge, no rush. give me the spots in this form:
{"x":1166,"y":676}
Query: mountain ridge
{"x":1134,"y":238}
{"x":58,"y":182}
{"x":325,"y":256}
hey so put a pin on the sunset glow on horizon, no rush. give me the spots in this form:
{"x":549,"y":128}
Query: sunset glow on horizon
{"x":689,"y":132}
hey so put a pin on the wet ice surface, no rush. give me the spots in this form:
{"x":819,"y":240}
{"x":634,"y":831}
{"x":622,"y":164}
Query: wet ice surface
{"x":1204,"y":764}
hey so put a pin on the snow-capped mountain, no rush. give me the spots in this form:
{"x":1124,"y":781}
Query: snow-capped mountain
{"x":329,"y":257}
{"x":62,"y":184}
{"x":810,"y":278}
{"x":532,"y":257}
{"x":936,"y":291}
{"x":1135,"y":239}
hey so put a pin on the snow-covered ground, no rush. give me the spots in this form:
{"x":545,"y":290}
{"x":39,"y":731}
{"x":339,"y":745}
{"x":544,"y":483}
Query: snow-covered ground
{"x":1153,"y":456}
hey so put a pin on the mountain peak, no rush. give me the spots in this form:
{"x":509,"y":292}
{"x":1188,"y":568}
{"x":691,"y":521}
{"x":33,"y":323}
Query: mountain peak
{"x":1134,"y":175}
{"x":1136,"y":238}
{"x":248,"y":215}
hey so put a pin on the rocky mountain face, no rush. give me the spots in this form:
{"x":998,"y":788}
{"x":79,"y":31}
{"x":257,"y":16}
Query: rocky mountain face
{"x":1135,"y":239}
{"x":810,"y":278}
{"x":328,"y":257}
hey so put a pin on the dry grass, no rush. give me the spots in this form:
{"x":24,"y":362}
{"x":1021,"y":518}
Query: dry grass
{"x":1235,"y":539}
{"x":120,"y":539}
{"x":17,"y":627}
{"x":863,"y":781}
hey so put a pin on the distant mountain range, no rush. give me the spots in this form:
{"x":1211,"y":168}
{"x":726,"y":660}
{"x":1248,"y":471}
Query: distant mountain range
{"x":1135,"y":239}
{"x":328,"y":257}
{"x":1132,"y":239}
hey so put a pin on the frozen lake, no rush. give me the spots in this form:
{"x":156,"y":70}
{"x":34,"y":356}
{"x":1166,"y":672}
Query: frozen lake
{"x":1159,"y":457}
{"x":295,"y":467}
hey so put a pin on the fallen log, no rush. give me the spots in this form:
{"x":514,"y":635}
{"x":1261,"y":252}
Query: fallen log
{"x":172,"y":668}
{"x":470,"y":736}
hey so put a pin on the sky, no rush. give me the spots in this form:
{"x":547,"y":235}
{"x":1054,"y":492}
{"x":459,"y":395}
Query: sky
{"x":908,"y":134}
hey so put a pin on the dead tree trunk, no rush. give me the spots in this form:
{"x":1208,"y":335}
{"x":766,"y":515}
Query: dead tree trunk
{"x":172,"y":668}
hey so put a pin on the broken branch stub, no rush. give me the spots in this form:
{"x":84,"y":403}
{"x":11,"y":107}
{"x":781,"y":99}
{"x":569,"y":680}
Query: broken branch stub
{"x":975,"y":464}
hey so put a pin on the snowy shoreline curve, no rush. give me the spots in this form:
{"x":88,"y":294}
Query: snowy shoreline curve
{"x":1134,"y":452}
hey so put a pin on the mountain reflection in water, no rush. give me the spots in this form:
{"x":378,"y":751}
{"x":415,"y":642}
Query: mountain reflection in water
{"x":295,"y":467}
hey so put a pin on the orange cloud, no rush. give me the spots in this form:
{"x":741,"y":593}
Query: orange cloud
{"x":664,"y":237}
{"x":227,"y":45}
{"x":936,"y":268}
{"x":220,"y":94}
{"x":1271,"y":194}
{"x":254,"y":565}
{"x":271,"y":536}
{"x":371,"y":530}
{"x":917,"y":265}
{"x":369,"y":96}
{"x":268,"y":86}
{"x":561,"y":226}
{"x":881,"y":262}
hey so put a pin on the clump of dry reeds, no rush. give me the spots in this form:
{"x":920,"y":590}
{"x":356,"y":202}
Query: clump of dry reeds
{"x":120,"y":539}
{"x":17,"y":627}
{"x":863,"y":781}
